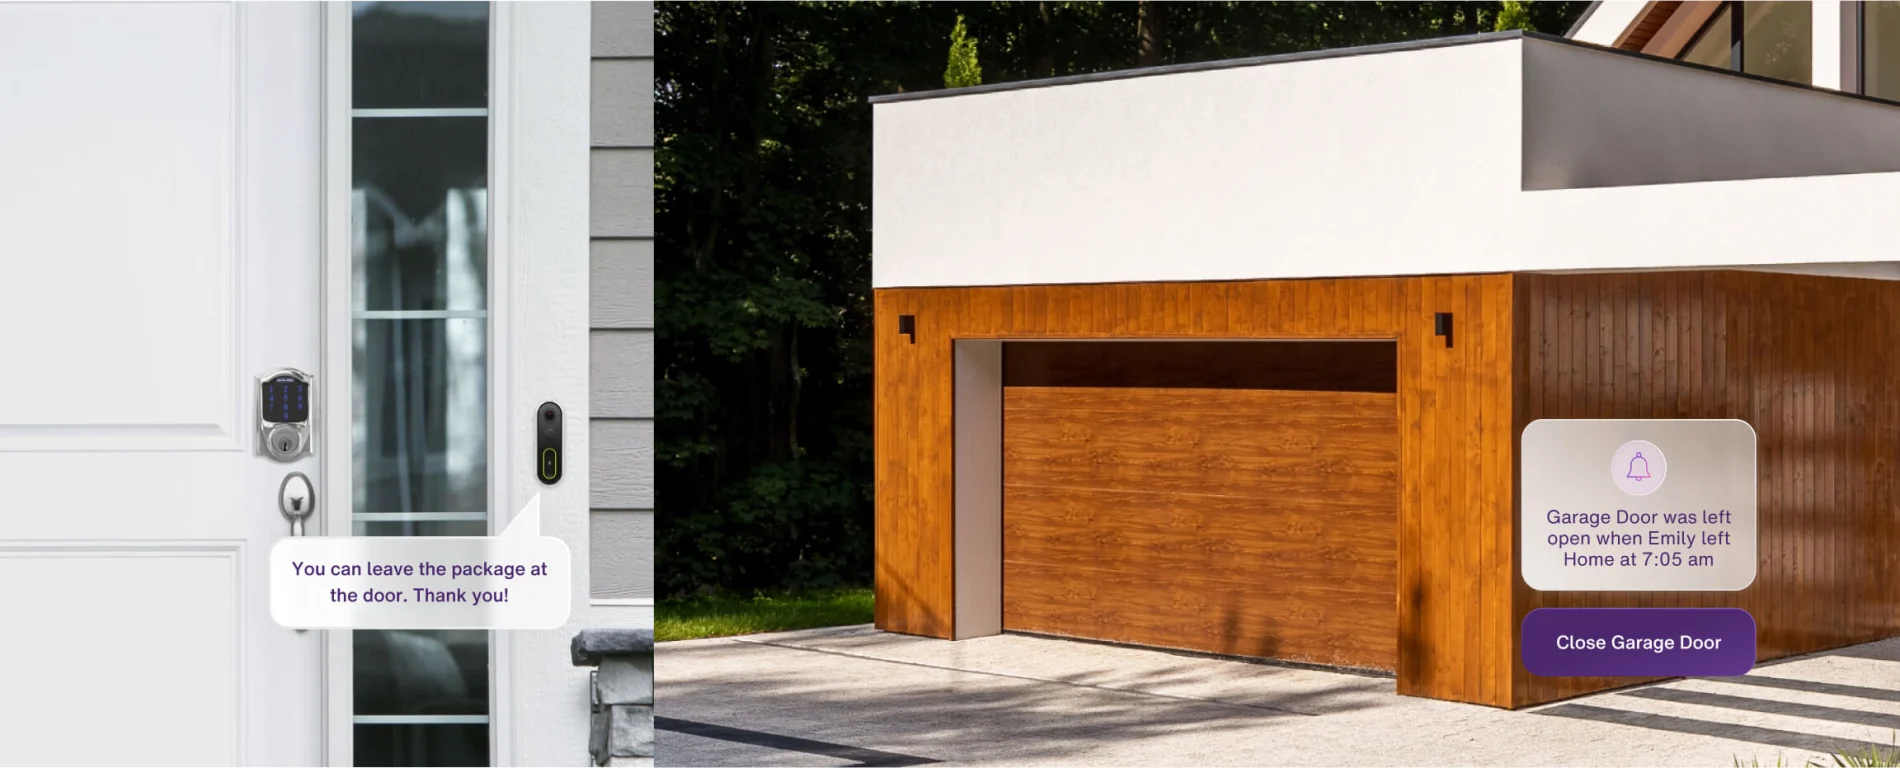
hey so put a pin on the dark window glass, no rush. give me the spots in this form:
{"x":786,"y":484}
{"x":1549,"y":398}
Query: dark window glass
{"x":1711,"y":47}
{"x":419,"y":310}
{"x":421,"y":745}
{"x":1777,"y":40}
{"x":422,"y":411}
{"x":420,"y":54}
{"x":422,"y":672}
{"x":1880,"y":49}
{"x":421,"y":198}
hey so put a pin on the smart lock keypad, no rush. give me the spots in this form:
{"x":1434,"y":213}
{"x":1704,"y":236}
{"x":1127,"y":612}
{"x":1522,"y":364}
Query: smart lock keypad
{"x":283,"y":414}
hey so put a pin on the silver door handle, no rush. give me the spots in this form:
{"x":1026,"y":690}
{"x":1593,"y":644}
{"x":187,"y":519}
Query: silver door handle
{"x":296,"y":498}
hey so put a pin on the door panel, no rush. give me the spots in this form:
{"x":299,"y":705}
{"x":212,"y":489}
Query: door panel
{"x":158,"y":250}
{"x":1243,"y":521}
{"x":117,"y":147}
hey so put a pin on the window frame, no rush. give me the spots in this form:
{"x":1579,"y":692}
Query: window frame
{"x":1737,"y":19}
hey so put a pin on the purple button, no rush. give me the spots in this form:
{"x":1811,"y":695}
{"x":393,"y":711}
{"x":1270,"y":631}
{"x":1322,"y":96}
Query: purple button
{"x":1639,"y":642}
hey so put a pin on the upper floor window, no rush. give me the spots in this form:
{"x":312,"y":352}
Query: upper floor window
{"x":1768,"y":39}
{"x":1880,"y":49}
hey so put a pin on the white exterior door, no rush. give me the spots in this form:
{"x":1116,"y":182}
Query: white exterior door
{"x":159,"y":249}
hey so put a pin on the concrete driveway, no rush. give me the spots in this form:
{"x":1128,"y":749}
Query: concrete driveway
{"x":856,"y":696}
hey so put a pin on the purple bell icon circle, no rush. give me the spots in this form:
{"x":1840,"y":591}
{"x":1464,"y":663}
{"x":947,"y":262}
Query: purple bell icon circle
{"x":1638,"y":468}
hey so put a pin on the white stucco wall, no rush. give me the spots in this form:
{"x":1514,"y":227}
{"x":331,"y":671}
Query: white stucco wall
{"x":1594,"y":117}
{"x":1273,"y":170}
{"x":1455,"y":159}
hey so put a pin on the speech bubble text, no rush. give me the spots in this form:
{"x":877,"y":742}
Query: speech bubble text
{"x":518,"y":580}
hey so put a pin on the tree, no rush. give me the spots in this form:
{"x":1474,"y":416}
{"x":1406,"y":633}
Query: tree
{"x":1151,"y":33}
{"x":762,"y":204}
{"x":963,"y":69}
{"x":1512,"y":14}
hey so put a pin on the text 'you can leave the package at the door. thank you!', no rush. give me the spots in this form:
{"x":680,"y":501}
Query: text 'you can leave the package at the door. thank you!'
{"x":517,"y":580}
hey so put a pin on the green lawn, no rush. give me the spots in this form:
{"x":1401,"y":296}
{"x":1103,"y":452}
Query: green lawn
{"x":719,"y":616}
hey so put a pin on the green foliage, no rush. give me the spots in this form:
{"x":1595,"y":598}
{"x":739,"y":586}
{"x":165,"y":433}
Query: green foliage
{"x":726,"y":615}
{"x":963,"y":69}
{"x":1870,"y":756}
{"x":1513,"y":14}
{"x":763,"y":208}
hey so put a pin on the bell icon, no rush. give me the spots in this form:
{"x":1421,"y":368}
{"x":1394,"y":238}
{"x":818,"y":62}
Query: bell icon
{"x":1639,"y":467}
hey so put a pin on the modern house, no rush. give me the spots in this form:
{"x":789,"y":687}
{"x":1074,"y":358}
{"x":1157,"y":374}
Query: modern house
{"x":440,"y":215}
{"x":1236,"y":356}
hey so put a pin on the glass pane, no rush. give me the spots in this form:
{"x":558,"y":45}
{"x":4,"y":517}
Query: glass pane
{"x":420,"y":213}
{"x":421,"y":528}
{"x":422,"y":672}
{"x":421,"y":433}
{"x":1881,"y":51}
{"x":1711,"y":48}
{"x":419,"y":301}
{"x":1778,"y":40}
{"x":420,"y":54}
{"x":421,"y":745}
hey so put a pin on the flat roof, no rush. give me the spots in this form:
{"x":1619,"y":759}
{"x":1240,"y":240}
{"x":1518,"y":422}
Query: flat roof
{"x":1340,"y":53}
{"x":1583,"y":18}
{"x":1463,"y":158}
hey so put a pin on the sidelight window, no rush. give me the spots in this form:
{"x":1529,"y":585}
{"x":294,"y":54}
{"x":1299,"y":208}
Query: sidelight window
{"x":419,"y":325}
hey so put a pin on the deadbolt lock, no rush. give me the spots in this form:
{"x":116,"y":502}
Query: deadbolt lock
{"x":284,"y":405}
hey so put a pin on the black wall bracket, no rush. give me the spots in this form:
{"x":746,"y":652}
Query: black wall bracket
{"x":1441,"y":326}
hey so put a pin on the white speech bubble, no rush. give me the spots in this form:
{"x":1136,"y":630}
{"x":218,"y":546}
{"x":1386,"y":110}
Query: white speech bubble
{"x":518,"y":580}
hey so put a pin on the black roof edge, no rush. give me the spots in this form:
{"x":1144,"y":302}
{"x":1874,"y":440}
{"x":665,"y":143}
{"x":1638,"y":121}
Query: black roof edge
{"x":1577,"y":26}
{"x":1340,"y":53}
{"x":1208,"y":66}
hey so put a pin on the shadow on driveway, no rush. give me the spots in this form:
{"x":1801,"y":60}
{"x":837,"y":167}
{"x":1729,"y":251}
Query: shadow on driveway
{"x":875,"y":699}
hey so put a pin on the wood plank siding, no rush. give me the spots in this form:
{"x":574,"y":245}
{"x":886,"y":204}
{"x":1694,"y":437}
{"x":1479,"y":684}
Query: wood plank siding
{"x":1455,"y":534}
{"x":1809,"y":362}
{"x":1647,"y":23}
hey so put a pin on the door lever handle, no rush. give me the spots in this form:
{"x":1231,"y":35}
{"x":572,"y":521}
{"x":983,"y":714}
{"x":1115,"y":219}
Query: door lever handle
{"x":296,"y":498}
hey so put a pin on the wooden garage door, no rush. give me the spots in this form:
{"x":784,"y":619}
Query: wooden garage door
{"x":1205,"y":513}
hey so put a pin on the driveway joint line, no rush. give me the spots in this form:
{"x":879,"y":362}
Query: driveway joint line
{"x":1031,"y":678}
{"x":864,"y":756}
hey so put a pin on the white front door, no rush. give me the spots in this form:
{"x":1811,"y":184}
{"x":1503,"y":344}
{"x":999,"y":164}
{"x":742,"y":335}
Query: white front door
{"x":159,"y":242}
